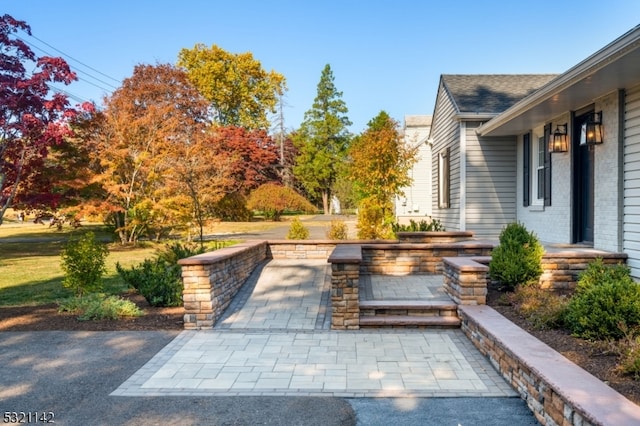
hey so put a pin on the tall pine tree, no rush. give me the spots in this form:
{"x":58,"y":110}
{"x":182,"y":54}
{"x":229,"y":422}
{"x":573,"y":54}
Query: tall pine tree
{"x":322,"y":140}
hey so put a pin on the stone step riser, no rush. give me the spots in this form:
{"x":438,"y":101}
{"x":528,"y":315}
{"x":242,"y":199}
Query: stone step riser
{"x":401,"y":314}
{"x":400,"y":321}
{"x":409,"y":312}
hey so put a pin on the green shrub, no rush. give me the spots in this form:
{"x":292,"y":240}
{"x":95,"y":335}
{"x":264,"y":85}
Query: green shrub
{"x":83,"y":262}
{"x":422,"y":226}
{"x":518,"y":257}
{"x":598,"y":272}
{"x":159,"y":280}
{"x":98,"y":306}
{"x":542,"y":308}
{"x":606,"y":302}
{"x":297,"y":231}
{"x":338,"y":230}
{"x":173,"y":252}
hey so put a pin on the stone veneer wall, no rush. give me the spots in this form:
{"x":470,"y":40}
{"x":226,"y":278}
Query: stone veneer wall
{"x":406,"y":258}
{"x":306,"y":249}
{"x":465,"y":280}
{"x":557,"y":391}
{"x":561,"y":269}
{"x":212,"y":279}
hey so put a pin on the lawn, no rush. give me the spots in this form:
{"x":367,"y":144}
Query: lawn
{"x":31,"y":273}
{"x":30,"y":270}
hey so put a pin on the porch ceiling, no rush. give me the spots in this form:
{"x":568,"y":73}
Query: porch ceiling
{"x":616,"y":66}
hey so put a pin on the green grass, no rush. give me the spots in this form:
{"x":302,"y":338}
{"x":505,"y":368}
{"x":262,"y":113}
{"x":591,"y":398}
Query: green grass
{"x":30,"y":271}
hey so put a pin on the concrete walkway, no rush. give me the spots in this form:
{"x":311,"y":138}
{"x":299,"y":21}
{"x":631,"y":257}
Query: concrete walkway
{"x":275,"y":341}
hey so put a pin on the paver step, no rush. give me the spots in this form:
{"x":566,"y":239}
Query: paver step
{"x":408,"y":304}
{"x":409,"y":313}
{"x":409,"y":321}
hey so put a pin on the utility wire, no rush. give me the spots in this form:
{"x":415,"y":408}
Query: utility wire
{"x":112,"y":87}
{"x":76,"y":60}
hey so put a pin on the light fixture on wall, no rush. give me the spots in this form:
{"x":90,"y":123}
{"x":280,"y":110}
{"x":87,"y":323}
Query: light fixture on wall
{"x":558,"y":142}
{"x":592,"y":132}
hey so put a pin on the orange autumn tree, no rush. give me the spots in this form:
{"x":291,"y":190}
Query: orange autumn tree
{"x":198,"y":177}
{"x":380,"y":164}
{"x":274,"y":199}
{"x":143,"y":128}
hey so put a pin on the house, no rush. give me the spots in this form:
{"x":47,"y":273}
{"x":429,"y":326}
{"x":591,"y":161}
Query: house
{"x":564,"y":159}
{"x":474,"y":177}
{"x":415,"y":203}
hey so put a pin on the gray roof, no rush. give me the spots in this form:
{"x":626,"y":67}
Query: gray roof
{"x":491,"y":93}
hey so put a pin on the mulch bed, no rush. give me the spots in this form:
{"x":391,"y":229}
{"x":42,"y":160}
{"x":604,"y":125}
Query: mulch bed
{"x":47,"y":318}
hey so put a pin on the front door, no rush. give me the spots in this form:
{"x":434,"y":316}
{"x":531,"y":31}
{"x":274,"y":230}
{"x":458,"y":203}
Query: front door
{"x":583,"y":161}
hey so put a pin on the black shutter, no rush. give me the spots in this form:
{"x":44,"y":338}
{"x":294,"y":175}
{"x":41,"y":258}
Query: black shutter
{"x":526,"y":170}
{"x":547,"y":165}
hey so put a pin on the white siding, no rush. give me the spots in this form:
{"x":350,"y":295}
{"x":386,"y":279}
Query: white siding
{"x":552,"y":224}
{"x":606,"y":221}
{"x":445,"y":132}
{"x":631,"y":222}
{"x":490,"y":183}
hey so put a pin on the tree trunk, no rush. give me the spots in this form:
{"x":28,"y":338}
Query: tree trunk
{"x":325,"y":202}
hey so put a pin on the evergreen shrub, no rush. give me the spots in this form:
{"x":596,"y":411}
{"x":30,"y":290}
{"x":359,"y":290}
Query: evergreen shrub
{"x":518,"y":257}
{"x":159,"y":280}
{"x":606,"y":303}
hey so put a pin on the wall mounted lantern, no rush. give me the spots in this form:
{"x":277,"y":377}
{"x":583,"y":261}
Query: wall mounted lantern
{"x":592,"y":132}
{"x":558,"y":142}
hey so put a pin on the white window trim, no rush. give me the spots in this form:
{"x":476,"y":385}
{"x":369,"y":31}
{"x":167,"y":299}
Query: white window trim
{"x":537,"y":138}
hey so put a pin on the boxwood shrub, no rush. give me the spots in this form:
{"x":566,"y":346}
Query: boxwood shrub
{"x":606,"y":303}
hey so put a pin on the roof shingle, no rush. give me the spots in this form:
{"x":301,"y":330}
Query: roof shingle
{"x":491,"y":93}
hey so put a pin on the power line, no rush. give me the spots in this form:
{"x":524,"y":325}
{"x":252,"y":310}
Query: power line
{"x":69,"y":95}
{"x":76,"y":60}
{"x":79,"y":71}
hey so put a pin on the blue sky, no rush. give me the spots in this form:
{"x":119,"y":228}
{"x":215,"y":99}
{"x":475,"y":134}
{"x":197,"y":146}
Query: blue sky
{"x":385,"y":55}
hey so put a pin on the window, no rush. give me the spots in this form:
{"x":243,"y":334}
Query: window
{"x":526,"y":170}
{"x":443,"y":179}
{"x":540,"y":170}
{"x":536,"y":167}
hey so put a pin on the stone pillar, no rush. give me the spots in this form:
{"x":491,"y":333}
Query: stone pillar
{"x":345,"y":306}
{"x":197,"y":297}
{"x":345,"y":276}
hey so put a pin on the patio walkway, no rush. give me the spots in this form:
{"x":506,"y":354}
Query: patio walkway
{"x":275,"y":340}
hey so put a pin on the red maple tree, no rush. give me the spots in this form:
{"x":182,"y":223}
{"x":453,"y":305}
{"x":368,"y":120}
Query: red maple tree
{"x":254,"y":153}
{"x":31,"y":118}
